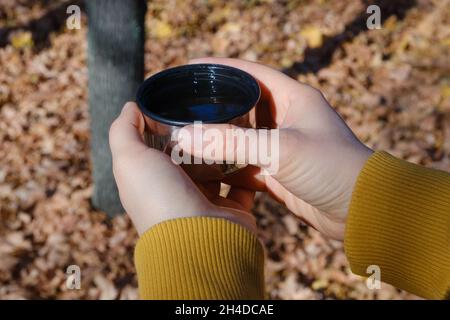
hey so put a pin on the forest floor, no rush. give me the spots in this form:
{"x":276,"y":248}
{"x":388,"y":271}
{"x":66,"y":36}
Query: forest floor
{"x":391,"y":85}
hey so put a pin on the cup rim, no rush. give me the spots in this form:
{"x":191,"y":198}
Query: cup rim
{"x":252,"y":83}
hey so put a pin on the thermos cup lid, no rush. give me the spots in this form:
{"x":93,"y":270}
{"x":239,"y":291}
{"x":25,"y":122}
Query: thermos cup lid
{"x":211,"y":93}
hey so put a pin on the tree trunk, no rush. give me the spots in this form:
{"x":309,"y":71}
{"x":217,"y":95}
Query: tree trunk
{"x":116,"y":68}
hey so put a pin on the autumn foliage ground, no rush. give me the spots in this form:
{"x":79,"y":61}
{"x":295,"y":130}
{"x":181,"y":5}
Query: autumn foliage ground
{"x":391,"y":85}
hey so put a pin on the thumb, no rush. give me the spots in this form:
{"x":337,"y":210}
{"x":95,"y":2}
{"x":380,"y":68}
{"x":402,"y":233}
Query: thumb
{"x":125,"y":134}
{"x":228,"y":143}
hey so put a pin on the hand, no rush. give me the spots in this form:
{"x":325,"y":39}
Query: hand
{"x":319,"y":159}
{"x":153,"y":189}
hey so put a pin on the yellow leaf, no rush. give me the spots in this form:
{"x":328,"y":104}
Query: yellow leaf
{"x":34,"y":78}
{"x":231,"y":27}
{"x":162,"y":30}
{"x":445,"y":42}
{"x":445,"y":91}
{"x":313,"y":36}
{"x":286,"y":62}
{"x":22,"y":39}
{"x":390,"y":24}
{"x":403,"y":44}
{"x":219,"y":15}
{"x":319,"y":284}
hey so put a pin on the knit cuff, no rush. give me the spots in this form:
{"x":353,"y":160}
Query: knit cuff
{"x":199,"y":258}
{"x":399,"y":220}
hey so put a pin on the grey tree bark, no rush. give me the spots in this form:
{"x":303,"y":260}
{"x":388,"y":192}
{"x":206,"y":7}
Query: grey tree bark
{"x":116,"y":68}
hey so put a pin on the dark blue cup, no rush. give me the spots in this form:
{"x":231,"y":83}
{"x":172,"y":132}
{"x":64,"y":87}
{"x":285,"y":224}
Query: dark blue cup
{"x":210,"y":93}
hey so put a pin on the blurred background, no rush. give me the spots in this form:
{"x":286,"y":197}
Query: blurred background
{"x":391,"y":85}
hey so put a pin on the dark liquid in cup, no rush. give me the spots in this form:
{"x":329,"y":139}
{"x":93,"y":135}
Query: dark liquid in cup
{"x":200,"y":109}
{"x":199,"y":101}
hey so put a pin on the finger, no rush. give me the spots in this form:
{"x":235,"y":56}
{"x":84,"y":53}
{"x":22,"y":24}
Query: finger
{"x":227,"y":203}
{"x":209,"y":189}
{"x":242,"y":196}
{"x":225,"y":142}
{"x":276,"y":190}
{"x":249,"y":177}
{"x":125,"y":134}
{"x":203,"y":173}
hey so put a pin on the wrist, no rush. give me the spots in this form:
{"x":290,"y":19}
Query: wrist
{"x":361,"y":158}
{"x":145,"y":222}
{"x":242,"y":218}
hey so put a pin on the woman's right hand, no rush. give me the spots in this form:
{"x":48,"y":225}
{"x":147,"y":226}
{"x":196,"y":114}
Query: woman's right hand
{"x":319,"y":156}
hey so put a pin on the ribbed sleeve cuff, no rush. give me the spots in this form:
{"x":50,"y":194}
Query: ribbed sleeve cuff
{"x":399,"y":220}
{"x":199,"y":258}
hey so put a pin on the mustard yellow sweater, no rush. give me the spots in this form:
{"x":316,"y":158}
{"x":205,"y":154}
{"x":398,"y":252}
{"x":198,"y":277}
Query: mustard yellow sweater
{"x":399,"y":220}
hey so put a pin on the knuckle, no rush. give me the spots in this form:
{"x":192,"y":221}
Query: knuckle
{"x":314,"y":92}
{"x":113,"y":129}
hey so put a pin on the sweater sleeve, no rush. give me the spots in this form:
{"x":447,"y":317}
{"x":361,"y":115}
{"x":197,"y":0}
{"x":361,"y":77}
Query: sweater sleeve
{"x":399,"y":220}
{"x":199,"y":258}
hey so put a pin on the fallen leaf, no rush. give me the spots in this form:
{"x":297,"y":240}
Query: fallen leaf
{"x":21,"y":39}
{"x":313,"y":36}
{"x":162,"y":30}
